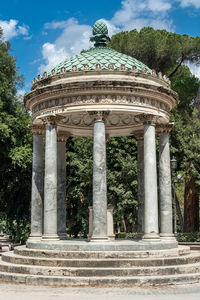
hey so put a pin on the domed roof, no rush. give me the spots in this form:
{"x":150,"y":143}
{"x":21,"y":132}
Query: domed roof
{"x":101,"y":57}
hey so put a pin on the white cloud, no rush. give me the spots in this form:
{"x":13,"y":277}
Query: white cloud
{"x":194,"y":68}
{"x":72,"y":40}
{"x":75,"y":37}
{"x":187,"y":3}
{"x":11,"y":29}
{"x":148,"y":10}
{"x":52,"y":55}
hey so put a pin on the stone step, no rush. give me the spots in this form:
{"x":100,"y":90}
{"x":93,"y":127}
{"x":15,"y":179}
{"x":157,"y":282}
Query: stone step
{"x":180,"y":251}
{"x":100,"y":272}
{"x":95,"y":263}
{"x":101,"y":281}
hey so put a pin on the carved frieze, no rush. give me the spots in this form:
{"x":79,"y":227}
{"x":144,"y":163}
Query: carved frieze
{"x":99,"y":99}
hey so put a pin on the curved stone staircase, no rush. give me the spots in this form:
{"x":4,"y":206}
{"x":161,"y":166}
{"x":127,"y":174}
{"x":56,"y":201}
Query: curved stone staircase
{"x":101,"y":268}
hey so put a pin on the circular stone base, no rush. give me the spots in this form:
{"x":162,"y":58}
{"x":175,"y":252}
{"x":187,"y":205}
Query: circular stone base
{"x":117,"y":245}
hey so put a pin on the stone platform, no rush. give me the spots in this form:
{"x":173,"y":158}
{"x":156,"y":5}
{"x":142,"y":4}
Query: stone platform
{"x":116,"y":245}
{"x":101,"y":268}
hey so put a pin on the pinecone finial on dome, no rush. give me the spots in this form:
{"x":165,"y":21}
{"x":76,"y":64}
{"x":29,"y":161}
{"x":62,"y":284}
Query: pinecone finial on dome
{"x":100,"y":34}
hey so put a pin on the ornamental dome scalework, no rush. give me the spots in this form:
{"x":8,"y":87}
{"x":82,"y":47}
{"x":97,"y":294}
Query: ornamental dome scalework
{"x":101,"y":79}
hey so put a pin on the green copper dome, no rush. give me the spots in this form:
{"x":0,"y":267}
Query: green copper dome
{"x":100,"y":57}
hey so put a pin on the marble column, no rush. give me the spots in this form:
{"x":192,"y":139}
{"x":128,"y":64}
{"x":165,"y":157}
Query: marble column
{"x":37,"y":182}
{"x":61,"y":179}
{"x":50,"y":182}
{"x":165,"y":192}
{"x":99,"y":223}
{"x":140,"y":176}
{"x":150,"y":180}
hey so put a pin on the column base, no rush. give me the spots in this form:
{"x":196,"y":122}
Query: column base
{"x":50,"y":237}
{"x":35,"y":237}
{"x":151,"y":237}
{"x":111,"y":237}
{"x":167,"y":236}
{"x":99,"y":239}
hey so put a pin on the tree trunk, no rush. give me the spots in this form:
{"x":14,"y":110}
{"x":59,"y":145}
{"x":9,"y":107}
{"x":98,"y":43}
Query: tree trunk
{"x":191,"y":206}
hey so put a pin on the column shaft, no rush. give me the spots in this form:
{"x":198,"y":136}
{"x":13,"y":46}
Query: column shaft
{"x":37,"y":187}
{"x":99,"y":223}
{"x":166,"y":229}
{"x":140,"y":161}
{"x":50,"y":185}
{"x":61,"y":177}
{"x":150,"y":184}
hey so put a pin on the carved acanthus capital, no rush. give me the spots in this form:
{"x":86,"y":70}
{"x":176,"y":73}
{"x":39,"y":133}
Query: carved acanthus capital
{"x":146,"y":119}
{"x":37,"y":129}
{"x":52,"y":120}
{"x":160,"y":128}
{"x":99,"y":115}
{"x":62,"y":136}
{"x":139,"y":135}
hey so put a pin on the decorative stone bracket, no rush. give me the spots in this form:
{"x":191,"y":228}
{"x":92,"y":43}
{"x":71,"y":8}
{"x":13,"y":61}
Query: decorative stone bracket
{"x":99,"y":115}
{"x":160,"y":128}
{"x":37,"y":129}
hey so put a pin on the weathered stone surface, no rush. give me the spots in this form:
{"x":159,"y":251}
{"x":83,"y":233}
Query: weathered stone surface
{"x":150,"y":184}
{"x":50,"y":184}
{"x":117,"y":245}
{"x":110,"y":225}
{"x":99,"y":182}
{"x":37,"y":187}
{"x":165,"y":206}
{"x":101,"y":271}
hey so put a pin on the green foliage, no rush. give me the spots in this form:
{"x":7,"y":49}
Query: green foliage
{"x":124,"y":235}
{"x":122,"y":181}
{"x":159,"y":49}
{"x":79,"y":184}
{"x":15,"y":148}
{"x":188,"y":237}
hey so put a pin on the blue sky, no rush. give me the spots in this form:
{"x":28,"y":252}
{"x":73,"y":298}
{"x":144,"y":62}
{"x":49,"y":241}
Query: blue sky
{"x":43,"y":33}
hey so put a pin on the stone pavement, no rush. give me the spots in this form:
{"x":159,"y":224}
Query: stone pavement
{"x":21,"y":292}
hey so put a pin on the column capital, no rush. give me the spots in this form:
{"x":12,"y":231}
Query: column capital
{"x":161,"y":128}
{"x":62,"y":136}
{"x":51,"y":120}
{"x":99,"y":115}
{"x":147,"y":119}
{"x":139,"y":135}
{"x":37,"y":129}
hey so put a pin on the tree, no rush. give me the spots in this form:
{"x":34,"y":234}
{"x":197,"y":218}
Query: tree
{"x":15,"y":146}
{"x":159,"y":49}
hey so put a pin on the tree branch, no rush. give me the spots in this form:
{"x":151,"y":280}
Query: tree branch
{"x":177,"y":67}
